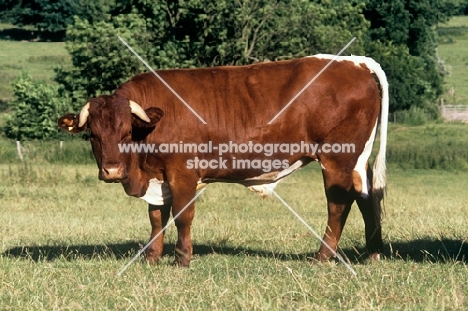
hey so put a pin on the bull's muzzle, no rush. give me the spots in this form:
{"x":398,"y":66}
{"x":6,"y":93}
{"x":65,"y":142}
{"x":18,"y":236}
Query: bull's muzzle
{"x":112,"y":173}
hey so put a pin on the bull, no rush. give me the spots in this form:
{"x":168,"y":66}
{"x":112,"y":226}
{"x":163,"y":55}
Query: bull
{"x":343,"y":105}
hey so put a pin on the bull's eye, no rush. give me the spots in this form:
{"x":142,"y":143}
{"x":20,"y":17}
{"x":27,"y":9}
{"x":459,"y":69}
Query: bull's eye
{"x":127,"y":137}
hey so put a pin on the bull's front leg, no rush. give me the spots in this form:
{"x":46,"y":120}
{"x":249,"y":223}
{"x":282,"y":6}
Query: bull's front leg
{"x":183,"y":189}
{"x":159,"y":216}
{"x":184,"y":248}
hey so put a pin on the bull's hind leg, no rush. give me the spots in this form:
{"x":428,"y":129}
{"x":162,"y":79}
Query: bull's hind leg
{"x":371,"y":213}
{"x":159,"y":216}
{"x":339,"y":193}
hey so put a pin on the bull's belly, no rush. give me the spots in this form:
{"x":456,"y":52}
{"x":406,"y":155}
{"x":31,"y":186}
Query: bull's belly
{"x":263,"y":184}
{"x":159,"y":193}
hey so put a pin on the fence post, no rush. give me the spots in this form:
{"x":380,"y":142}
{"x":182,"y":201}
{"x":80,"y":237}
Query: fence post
{"x":442,"y":108}
{"x":18,"y":148}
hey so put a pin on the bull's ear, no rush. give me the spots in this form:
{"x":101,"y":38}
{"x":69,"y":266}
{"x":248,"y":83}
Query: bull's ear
{"x":155,"y":114}
{"x":69,"y":123}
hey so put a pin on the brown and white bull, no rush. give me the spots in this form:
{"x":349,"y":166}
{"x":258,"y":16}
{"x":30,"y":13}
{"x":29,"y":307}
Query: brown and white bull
{"x":343,"y":105}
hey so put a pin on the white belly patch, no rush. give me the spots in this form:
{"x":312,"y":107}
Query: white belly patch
{"x":158,"y":192}
{"x":266,"y":189}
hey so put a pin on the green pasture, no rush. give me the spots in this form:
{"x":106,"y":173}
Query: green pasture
{"x":431,"y":146}
{"x":65,"y":236}
{"x":453,"y":47}
{"x":37,"y":58}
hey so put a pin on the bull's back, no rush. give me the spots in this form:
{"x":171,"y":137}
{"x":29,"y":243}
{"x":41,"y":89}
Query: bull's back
{"x":239,"y":102}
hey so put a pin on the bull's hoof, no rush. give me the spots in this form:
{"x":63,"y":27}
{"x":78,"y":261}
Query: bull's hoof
{"x":181,"y":263}
{"x":321,"y":257}
{"x":152,"y":259}
{"x":374,"y":257}
{"x":182,"y":259}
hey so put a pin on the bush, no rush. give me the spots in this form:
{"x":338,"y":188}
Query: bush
{"x":100,"y":61}
{"x":34,"y":110}
{"x":193,"y":33}
{"x":409,"y":82}
{"x":414,"y":116}
{"x":403,"y":37}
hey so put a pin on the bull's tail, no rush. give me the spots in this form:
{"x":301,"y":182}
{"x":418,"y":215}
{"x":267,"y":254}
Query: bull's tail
{"x":379,"y":180}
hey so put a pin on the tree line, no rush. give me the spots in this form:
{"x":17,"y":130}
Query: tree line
{"x":399,"y":34}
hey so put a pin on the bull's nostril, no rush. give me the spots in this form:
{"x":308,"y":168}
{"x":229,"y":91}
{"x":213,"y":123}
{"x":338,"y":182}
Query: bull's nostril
{"x":113,"y":173}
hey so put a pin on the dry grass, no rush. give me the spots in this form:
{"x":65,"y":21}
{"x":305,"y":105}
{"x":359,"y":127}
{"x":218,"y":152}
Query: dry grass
{"x":65,"y":236}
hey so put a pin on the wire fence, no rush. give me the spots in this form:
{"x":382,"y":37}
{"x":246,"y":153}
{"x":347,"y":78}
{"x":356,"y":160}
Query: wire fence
{"x":454,"y":112}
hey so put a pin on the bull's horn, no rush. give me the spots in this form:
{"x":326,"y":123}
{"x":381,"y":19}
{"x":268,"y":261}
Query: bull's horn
{"x":84,"y":113}
{"x":139,"y":112}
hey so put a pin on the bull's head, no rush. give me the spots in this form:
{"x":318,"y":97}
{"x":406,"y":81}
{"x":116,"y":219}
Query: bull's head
{"x":111,"y":120}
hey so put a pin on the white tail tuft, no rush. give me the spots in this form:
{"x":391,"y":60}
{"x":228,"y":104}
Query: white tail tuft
{"x":379,"y":181}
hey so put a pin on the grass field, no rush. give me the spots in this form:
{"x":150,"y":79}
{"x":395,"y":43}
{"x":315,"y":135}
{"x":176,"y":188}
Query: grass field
{"x":38,"y":58}
{"x":15,"y":57}
{"x":453,"y":44}
{"x":432,"y":146}
{"x":65,"y":235}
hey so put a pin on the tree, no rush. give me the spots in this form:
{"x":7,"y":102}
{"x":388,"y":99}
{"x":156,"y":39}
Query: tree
{"x":409,"y":85}
{"x":52,"y":16}
{"x":100,"y":61}
{"x":402,"y":37}
{"x":199,"y":33}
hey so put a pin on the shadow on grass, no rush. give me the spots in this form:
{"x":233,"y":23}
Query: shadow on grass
{"x":421,"y":250}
